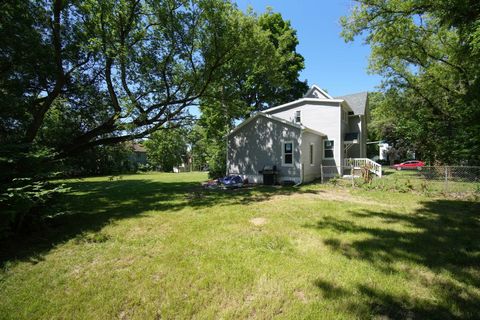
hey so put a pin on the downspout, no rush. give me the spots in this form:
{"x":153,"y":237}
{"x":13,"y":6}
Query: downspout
{"x":301,"y":160}
{"x":301,"y":176}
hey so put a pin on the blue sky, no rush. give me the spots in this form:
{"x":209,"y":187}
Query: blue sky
{"x":339,"y":67}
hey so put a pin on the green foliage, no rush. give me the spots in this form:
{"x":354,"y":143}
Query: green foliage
{"x":167,"y":149}
{"x":25,"y":203}
{"x":427,"y":53}
{"x":80,"y":74}
{"x":198,"y":147}
{"x":100,"y":160}
{"x":217,"y":159}
{"x":80,"y":78}
{"x":263,"y":73}
{"x":335,"y":180}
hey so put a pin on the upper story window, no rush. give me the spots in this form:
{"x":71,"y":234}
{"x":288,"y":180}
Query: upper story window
{"x":328,"y":149}
{"x":287,"y":150}
{"x":298,"y":116}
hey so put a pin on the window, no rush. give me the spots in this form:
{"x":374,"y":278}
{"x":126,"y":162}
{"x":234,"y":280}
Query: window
{"x":328,"y":144}
{"x":311,"y":154}
{"x":287,"y":153}
{"x":298,"y":117}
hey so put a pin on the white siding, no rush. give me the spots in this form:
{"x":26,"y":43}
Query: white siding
{"x":324,"y":117}
{"x":311,"y":172}
{"x":260,"y":143}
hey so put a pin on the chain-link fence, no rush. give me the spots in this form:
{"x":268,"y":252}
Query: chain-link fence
{"x":432,"y":179}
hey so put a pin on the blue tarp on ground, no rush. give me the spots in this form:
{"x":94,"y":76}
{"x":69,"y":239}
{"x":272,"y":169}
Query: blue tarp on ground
{"x":231,"y":181}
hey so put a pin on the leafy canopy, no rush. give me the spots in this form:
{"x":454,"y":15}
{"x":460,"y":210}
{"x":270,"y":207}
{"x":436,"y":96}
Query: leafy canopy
{"x":167,"y":149}
{"x":265,"y":75}
{"x":427,"y":53}
{"x":122,"y":69}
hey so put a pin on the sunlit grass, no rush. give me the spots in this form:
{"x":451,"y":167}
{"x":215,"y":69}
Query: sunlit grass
{"x":159,"y":246}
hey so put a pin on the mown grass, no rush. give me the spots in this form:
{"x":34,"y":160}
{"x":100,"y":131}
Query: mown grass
{"x":159,"y":246}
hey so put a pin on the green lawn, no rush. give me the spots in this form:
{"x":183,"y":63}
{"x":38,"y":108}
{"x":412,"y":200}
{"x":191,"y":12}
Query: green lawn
{"x":158,"y":246}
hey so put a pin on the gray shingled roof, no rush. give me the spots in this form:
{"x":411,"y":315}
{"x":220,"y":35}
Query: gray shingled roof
{"x":356,"y":101}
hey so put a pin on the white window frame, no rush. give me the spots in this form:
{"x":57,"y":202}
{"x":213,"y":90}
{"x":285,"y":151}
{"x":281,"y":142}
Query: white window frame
{"x":325,"y":149}
{"x":312,"y":154}
{"x":283,"y":154}
{"x":298,"y":114}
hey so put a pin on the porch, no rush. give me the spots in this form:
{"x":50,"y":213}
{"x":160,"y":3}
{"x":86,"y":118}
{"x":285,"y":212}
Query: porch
{"x":358,"y":163}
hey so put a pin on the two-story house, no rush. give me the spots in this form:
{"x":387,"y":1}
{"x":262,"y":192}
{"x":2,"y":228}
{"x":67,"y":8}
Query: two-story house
{"x":301,"y":138}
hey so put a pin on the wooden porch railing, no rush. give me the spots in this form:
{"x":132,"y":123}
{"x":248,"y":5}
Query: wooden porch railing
{"x":358,"y":163}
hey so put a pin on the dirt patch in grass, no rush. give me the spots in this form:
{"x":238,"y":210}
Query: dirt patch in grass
{"x":258,"y":221}
{"x":300,"y":295}
{"x":331,"y":195}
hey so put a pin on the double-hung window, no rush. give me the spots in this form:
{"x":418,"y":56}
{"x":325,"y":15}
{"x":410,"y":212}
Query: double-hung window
{"x":287,"y":150}
{"x":328,"y":149}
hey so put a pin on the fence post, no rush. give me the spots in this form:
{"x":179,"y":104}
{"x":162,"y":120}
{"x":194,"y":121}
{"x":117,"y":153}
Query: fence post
{"x":321,"y":173}
{"x":351,"y":173}
{"x":446,"y":179}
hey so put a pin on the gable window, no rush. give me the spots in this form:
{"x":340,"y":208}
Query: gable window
{"x":298,"y":116}
{"x":328,"y":149}
{"x":311,"y":154}
{"x":287,"y":151}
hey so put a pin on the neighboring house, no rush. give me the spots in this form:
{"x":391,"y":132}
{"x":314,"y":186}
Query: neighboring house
{"x":185,"y":166}
{"x":383,"y":149}
{"x":300,"y":137}
{"x":139,"y":153}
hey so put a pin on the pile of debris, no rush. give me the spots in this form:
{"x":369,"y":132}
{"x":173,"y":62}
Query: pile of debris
{"x":228,"y":182}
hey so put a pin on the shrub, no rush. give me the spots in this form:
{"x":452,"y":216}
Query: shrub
{"x":335,"y":180}
{"x":366,"y":174}
{"x":24,"y":204}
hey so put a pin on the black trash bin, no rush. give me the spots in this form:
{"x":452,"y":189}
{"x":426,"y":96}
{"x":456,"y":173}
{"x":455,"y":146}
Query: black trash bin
{"x":269,"y":173}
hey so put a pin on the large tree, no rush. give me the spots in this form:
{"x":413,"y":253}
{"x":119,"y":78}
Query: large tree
{"x":167,"y":148}
{"x":428,"y":53}
{"x":266,"y":75}
{"x":122,"y":69}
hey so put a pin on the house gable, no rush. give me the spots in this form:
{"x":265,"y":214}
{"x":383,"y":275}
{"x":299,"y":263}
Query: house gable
{"x":261,"y":114}
{"x":275,"y":119}
{"x":316,"y":92}
{"x":258,"y":142}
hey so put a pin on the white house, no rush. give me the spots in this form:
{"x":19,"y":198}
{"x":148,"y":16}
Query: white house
{"x":300,"y":138}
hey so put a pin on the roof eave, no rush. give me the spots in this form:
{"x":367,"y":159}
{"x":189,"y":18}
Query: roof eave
{"x":268,"y":116}
{"x":313,"y":131}
{"x":300,"y":101}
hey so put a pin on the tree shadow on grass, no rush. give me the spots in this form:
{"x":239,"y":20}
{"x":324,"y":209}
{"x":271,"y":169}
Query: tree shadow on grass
{"x":91,"y":205}
{"x":442,"y":236}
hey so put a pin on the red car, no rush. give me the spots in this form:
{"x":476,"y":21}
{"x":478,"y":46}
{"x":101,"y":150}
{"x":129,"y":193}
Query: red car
{"x":412,"y":164}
